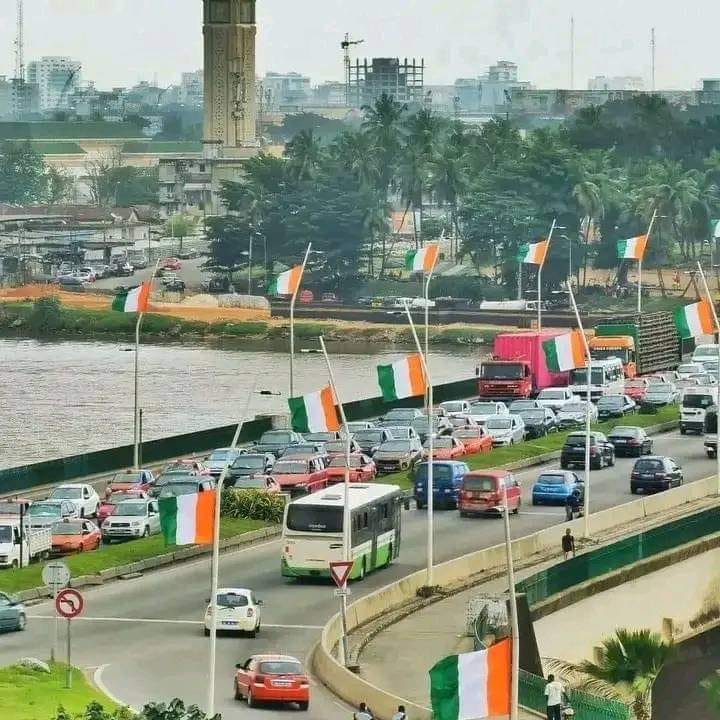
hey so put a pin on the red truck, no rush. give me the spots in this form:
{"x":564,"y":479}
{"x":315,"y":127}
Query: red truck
{"x":517,"y":368}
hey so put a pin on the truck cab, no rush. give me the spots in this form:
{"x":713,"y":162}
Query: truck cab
{"x":619,"y":346}
{"x":19,"y":544}
{"x":505,"y":379}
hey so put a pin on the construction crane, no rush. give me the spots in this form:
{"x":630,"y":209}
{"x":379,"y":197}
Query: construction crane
{"x":346,"y":44}
{"x":20,"y":44}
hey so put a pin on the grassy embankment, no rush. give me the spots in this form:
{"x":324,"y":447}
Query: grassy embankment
{"x":27,"y":694}
{"x":114,"y":556}
{"x":533,"y":448}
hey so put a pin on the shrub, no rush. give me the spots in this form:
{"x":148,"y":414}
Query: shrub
{"x":252,"y":505}
{"x":46,"y":315}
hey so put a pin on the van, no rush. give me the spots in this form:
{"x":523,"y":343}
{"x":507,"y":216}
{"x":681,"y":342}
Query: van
{"x":481,"y":492}
{"x":706,"y":352}
{"x":447,"y":477}
{"x":693,"y":407}
{"x":607,"y":377}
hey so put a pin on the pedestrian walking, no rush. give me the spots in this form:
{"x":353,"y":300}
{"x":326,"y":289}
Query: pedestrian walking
{"x":363,"y":713}
{"x":554,"y":691}
{"x":400,"y":714}
{"x":568,"y":544}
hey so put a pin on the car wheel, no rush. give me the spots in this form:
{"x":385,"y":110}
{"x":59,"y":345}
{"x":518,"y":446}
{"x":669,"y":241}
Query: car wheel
{"x":535,"y":502}
{"x":236,"y":691}
{"x":517,"y":508}
{"x":206,"y":632}
{"x":303,"y":705}
{"x":253,"y":632}
{"x":419,"y":505}
{"x":146,"y":531}
{"x":21,"y":622}
{"x":250,"y":699}
{"x":464,"y":514}
{"x":564,"y":465}
{"x":611,"y":462}
{"x":683,"y":431}
{"x":633,"y":490}
{"x":82,"y":512}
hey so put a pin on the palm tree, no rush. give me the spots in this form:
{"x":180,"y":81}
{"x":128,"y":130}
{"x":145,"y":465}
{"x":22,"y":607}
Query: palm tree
{"x":304,"y":154}
{"x":449,"y":182}
{"x":628,"y":666}
{"x":588,"y":197}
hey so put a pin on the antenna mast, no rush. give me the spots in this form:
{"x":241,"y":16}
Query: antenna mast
{"x":20,"y":44}
{"x":652,"y":50}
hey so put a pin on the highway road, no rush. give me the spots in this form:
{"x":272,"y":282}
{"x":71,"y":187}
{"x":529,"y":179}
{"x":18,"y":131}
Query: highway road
{"x":145,"y":637}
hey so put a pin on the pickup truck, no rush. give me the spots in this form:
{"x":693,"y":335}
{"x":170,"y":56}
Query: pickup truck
{"x":36,"y":543}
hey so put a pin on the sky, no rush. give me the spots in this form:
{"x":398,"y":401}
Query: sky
{"x":123,"y":41}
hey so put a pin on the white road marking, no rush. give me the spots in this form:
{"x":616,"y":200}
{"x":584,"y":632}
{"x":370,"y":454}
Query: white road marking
{"x":100,"y":685}
{"x":540,"y":512}
{"x":163,"y":621}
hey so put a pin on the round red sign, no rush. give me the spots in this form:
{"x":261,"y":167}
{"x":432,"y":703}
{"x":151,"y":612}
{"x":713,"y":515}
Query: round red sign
{"x":69,"y":603}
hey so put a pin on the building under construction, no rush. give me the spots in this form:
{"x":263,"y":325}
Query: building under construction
{"x":368,"y":80}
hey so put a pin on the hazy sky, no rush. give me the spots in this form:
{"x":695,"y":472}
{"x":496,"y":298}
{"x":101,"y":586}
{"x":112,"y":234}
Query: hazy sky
{"x":122,"y":41}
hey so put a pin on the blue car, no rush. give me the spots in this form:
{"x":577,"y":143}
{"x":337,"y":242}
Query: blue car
{"x":447,"y":478}
{"x":554,"y":487}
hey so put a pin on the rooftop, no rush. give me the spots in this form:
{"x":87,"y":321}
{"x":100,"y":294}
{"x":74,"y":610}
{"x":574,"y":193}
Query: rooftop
{"x":81,"y":130}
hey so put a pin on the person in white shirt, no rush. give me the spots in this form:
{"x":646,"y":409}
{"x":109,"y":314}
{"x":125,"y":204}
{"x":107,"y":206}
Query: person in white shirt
{"x":400,"y":714}
{"x":554,"y":691}
{"x":363,"y":713}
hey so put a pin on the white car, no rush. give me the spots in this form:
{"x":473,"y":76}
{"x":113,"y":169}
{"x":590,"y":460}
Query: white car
{"x":573,"y":413}
{"x":83,"y":496}
{"x":706,"y":352}
{"x":238,"y":610}
{"x":87,"y":274}
{"x":505,"y":429}
{"x":132,"y":519}
{"x":554,"y":397}
{"x":481,"y":410}
{"x":455,"y":408}
{"x":688,"y":369}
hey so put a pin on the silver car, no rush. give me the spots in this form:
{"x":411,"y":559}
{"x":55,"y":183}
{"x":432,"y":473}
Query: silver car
{"x":132,"y":519}
{"x":505,"y":429}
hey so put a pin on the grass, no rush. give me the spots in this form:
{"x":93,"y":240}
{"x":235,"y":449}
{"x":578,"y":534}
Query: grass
{"x":113,"y":556}
{"x":540,"y":446}
{"x":27,"y":694}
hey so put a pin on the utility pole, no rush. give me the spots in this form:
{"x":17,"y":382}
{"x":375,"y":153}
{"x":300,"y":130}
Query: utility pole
{"x":572,"y":52}
{"x":652,"y":52}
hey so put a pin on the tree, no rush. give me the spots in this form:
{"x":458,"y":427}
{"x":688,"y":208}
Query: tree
{"x":59,"y":185}
{"x":180,"y":226}
{"x":119,"y":185}
{"x":589,"y":199}
{"x":304,"y":154}
{"x":22,"y":174}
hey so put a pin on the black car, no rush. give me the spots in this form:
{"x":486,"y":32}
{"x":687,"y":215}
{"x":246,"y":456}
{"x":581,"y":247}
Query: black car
{"x":175,"y":286}
{"x":602,"y":452}
{"x":275,"y":441}
{"x":610,"y":406}
{"x":539,"y":422}
{"x":656,"y":472}
{"x":441,"y":426}
{"x":249,"y":465}
{"x":630,"y":441}
{"x":371,"y":439}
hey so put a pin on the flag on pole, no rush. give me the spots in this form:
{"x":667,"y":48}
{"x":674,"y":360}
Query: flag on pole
{"x":472,"y":685}
{"x":715,"y":229}
{"x":314,"y":412}
{"x":632,"y":249}
{"x":565,"y":352}
{"x":694,"y":320}
{"x":404,"y":378}
{"x":422,"y":260}
{"x":534,"y":253}
{"x":188,"y":519}
{"x":132,"y":299}
{"x":288,"y":282}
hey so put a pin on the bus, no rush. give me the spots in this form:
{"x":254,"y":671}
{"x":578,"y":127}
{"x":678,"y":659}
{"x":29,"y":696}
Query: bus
{"x":607,"y":377}
{"x":312,"y":535}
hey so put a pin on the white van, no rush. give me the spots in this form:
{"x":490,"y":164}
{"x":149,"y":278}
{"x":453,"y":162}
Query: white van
{"x":693,"y":407}
{"x":606,"y":378}
{"x":706,"y":352}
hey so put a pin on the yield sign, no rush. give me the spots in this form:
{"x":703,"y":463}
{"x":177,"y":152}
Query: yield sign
{"x":339,"y":572}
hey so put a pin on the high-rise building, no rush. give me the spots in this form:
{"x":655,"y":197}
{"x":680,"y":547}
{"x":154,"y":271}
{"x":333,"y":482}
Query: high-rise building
{"x":403,"y":81}
{"x":191,"y":88}
{"x":56,"y":78}
{"x":503,"y":72}
{"x":286,"y":89}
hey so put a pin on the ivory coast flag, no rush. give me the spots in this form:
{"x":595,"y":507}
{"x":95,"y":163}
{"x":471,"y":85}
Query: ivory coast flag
{"x":404,"y":378}
{"x":314,"y":412}
{"x":132,"y":299}
{"x":288,"y":282}
{"x":632,"y":249}
{"x":565,"y":352}
{"x":422,"y":260}
{"x":694,"y":320}
{"x":715,"y":229}
{"x":188,"y":519}
{"x":534,"y":253}
{"x":472,"y":685}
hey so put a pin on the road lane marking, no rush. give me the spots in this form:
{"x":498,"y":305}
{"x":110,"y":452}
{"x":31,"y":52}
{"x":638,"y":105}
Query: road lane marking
{"x":540,"y":512}
{"x":102,"y":687}
{"x":163,"y":621}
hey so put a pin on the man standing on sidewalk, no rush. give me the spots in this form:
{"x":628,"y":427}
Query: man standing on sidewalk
{"x":554,"y":692}
{"x":568,"y":544}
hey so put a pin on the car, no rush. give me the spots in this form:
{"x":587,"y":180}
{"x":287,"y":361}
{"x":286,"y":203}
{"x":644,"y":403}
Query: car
{"x":573,"y":414}
{"x":403,"y":432}
{"x":655,"y":472}
{"x":174,"y":285}
{"x":692,"y":381}
{"x":339,"y":447}
{"x":505,"y":429}
{"x":636,"y":388}
{"x":132,"y":519}
{"x":659,"y":395}
{"x":461,"y":421}
{"x":264,"y":483}
{"x":362,"y":468}
{"x":84,"y":497}
{"x":397,"y":454}
{"x":139,"y":262}
{"x":307,"y":450}
{"x":555,"y":397}
{"x":131,"y":481}
{"x":322,"y":437}
{"x":703,"y":379}
{"x":249,"y":464}
{"x":177,"y":485}
{"x":358,"y":425}
{"x":481,"y":410}
{"x":272,"y":678}
{"x":171,"y":263}
{"x":86,"y":274}
{"x":108,"y":505}
{"x":692,"y":368}
{"x":404,"y":415}
{"x":483,"y":491}
{"x":613,"y":406}
{"x":602,"y":452}
{"x":46,"y":513}
{"x":440,"y":426}
{"x":517,"y":407}
{"x":71,"y":280}
{"x":69,"y":536}
{"x":454,"y":408}
{"x":275,"y":441}
{"x":167,"y":277}
{"x":13,"y":615}
{"x":539,"y":422}
{"x":706,"y":352}
{"x":630,"y":440}
{"x":238,"y":610}
{"x":300,"y":476}
{"x":186,"y":465}
{"x":446,"y":447}
{"x":475,"y":439}
{"x":188,"y":254}
{"x":554,"y":487}
{"x":219,"y":458}
{"x":121,"y":269}
{"x":371,"y":439}
{"x":447,"y":477}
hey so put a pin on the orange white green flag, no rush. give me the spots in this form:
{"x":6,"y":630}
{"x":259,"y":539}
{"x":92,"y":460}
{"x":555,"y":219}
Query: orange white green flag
{"x":694,"y":320}
{"x":633,"y":248}
{"x":534,"y":253}
{"x":402,"y":379}
{"x":132,"y":299}
{"x":422,"y":260}
{"x":287,"y":283}
{"x":188,"y":519}
{"x":472,"y":685}
{"x":315,"y":412}
{"x":565,"y":352}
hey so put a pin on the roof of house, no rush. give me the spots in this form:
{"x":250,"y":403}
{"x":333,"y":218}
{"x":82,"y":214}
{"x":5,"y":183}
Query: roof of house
{"x":62,"y":130}
{"x":56,"y":147}
{"x":161,"y":147}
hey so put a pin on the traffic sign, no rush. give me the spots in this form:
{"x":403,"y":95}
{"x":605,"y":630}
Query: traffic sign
{"x":342,"y":591}
{"x":56,"y":575}
{"x":340,"y":570}
{"x":69,"y":603}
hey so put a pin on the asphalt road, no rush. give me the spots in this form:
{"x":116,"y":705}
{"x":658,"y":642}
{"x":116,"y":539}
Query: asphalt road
{"x":146,"y":637}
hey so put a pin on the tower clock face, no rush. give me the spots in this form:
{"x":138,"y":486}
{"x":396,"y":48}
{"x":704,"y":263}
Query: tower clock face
{"x":219,"y":11}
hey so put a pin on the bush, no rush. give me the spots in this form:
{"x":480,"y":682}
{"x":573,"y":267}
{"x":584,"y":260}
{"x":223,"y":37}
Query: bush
{"x":46,"y":315}
{"x":252,"y":505}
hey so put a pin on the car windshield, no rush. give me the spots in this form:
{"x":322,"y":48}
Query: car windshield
{"x":290,"y":468}
{"x":480,"y":483}
{"x":468,"y":433}
{"x":62,"y":493}
{"x":10,"y":508}
{"x":336,"y":446}
{"x":610,"y":401}
{"x":369,"y":436}
{"x":689,"y":368}
{"x":551,"y":394}
{"x":498,"y":424}
{"x":280,"y":667}
{"x":453,"y":406}
{"x":67,"y":528}
{"x":252,"y":482}
{"x":648,"y":465}
{"x":355,"y":461}
{"x":6,"y":534}
{"x":520,"y":405}
{"x":221,"y":455}
{"x":395,"y":446}
{"x":232,"y":600}
{"x":697,"y":401}
{"x":625,"y":432}
{"x":533,"y":415}
{"x":504,"y":371}
{"x":483,"y":409}
{"x":574,"y":407}
{"x":131,"y":507}
{"x":249,"y":462}
{"x":401,"y":414}
{"x":443,"y":443}
{"x":635,"y":384}
{"x":276,"y":437}
{"x":704,"y":351}
{"x":314,"y":518}
{"x":44,"y":509}
{"x":321,"y":436}
{"x":127,"y":478}
{"x":551,"y":479}
{"x":175,"y":489}
{"x":298,"y":451}
{"x":578,"y":440}
{"x":441,"y":472}
{"x":579,"y":376}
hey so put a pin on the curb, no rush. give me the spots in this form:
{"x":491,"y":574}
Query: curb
{"x":159,"y":561}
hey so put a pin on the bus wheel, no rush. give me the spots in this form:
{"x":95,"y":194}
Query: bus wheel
{"x":390,"y":555}
{"x":362,"y":570}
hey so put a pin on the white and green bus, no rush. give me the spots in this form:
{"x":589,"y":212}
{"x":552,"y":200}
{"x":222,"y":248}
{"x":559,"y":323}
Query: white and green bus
{"x":313,"y":525}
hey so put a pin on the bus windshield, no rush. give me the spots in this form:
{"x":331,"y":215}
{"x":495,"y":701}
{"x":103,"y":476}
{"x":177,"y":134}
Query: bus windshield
{"x":315,"y":519}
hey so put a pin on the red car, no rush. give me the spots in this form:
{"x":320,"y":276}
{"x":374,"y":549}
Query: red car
{"x":272,"y":678}
{"x":187,"y":465}
{"x":300,"y":476}
{"x":75,"y":535}
{"x":171,"y":264}
{"x":445,"y":447}
{"x":108,"y":506}
{"x":131,"y":481}
{"x":475,"y":439}
{"x":636,"y":388}
{"x":481,"y":491}
{"x":362,"y":469}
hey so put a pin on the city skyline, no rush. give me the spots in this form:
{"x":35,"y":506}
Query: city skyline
{"x":460,"y":42}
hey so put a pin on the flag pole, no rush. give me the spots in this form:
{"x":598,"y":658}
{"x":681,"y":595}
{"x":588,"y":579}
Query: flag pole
{"x":717,"y":404}
{"x":640,"y":261}
{"x":588,"y":373}
{"x":292,"y":322}
{"x":514,"y":627}
{"x":539,"y":275}
{"x":428,"y":277}
{"x":346,"y":504}
{"x":216,"y":557}
{"x":431,"y":503}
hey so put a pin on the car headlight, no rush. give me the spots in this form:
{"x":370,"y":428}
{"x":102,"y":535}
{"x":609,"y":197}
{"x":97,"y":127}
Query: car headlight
{"x":136,"y":523}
